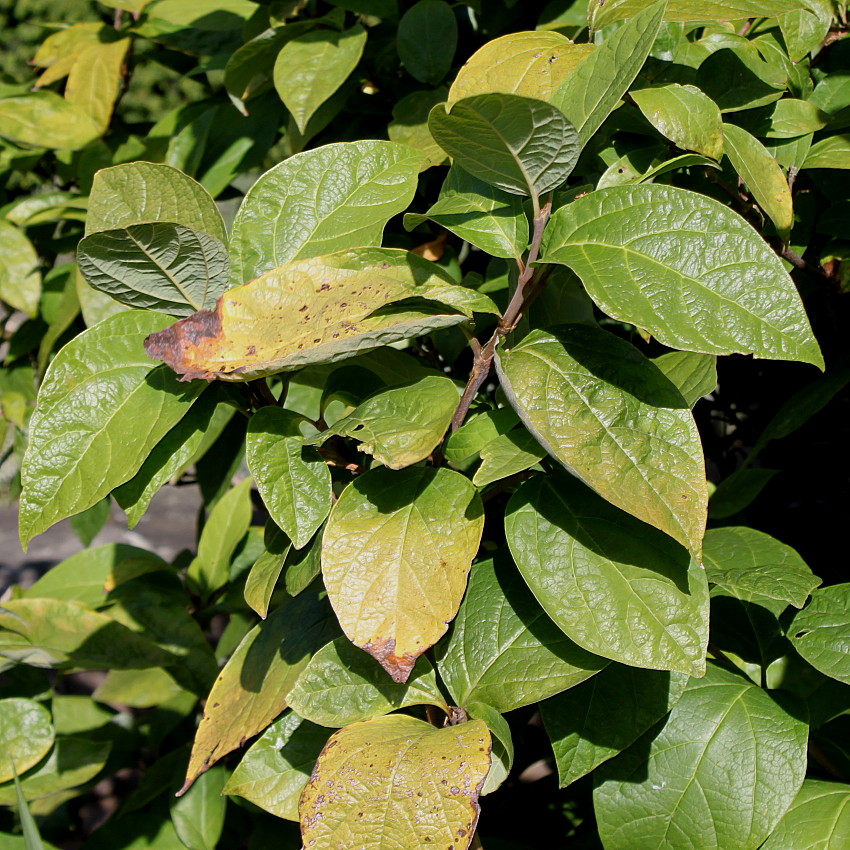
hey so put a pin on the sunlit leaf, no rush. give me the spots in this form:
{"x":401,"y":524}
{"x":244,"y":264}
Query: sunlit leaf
{"x":26,"y":735}
{"x":821,"y":631}
{"x":818,"y":818}
{"x":46,"y":120}
{"x":20,"y":273}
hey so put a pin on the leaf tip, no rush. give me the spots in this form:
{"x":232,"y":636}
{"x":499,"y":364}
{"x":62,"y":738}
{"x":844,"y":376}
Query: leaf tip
{"x":398,"y":666}
{"x":175,"y":345}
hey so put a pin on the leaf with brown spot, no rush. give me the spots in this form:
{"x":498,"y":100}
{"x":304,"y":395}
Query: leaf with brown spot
{"x":354,"y":300}
{"x":395,"y":556}
{"x":396,"y":782}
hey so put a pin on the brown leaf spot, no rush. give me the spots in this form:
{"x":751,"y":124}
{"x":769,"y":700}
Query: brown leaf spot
{"x":174,"y":344}
{"x":383,"y":651}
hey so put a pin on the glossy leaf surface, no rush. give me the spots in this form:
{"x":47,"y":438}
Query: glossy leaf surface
{"x":819,"y":818}
{"x":821,"y":631}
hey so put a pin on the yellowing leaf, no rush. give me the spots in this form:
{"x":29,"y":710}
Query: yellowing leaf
{"x":396,"y":782}
{"x":315,"y":311}
{"x":531,"y":64}
{"x":95,"y":78}
{"x":395,"y":556}
{"x":44,"y":119}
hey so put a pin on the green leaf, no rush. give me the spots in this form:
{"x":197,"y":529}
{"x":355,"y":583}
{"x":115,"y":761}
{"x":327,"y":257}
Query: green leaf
{"x":503,"y":650}
{"x":275,"y":769}
{"x":737,"y":79}
{"x":530,"y":64}
{"x":32,"y":839}
{"x":751,"y":565}
{"x":94,"y":80}
{"x":763,"y":177}
{"x":644,"y":251}
{"x":377,"y":769}
{"x":507,"y":455}
{"x":463,"y":446}
{"x":402,"y":425}
{"x":225,"y":527}
{"x":20,"y":275}
{"x":71,"y":762}
{"x":691,"y":10}
{"x":56,"y":633}
{"x":684,"y":115}
{"x":739,"y":490}
{"x":85,"y":438}
{"x":615,"y":586}
{"x":395,"y":556}
{"x":310,"y":68}
{"x":198,"y":816}
{"x":720,"y":773}
{"x":518,"y":144}
{"x":818,"y":818}
{"x":143,"y":192}
{"x":789,"y":118}
{"x":502,"y":750}
{"x":138,"y":688}
{"x":301,"y":567}
{"x":821,"y":631}
{"x":90,"y":522}
{"x":266,"y":570}
{"x":341,"y":684}
{"x":321,"y":201}
{"x":594,"y":721}
{"x":589,"y":94}
{"x":410,"y":125}
{"x":478,"y":213}
{"x":427,"y":39}
{"x":613,"y":419}
{"x":831,"y":152}
{"x":292,"y":478}
{"x":160,"y":266}
{"x":26,"y":735}
{"x":84,"y":576}
{"x":316,"y":311}
{"x":252,"y":688}
{"x":43,"y":119}
{"x":695,"y":375}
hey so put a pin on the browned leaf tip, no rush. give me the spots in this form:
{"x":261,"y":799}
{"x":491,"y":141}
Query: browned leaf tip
{"x":398,"y":666}
{"x":176,"y":344}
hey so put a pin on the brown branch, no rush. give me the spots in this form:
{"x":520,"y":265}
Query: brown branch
{"x":484,"y":356}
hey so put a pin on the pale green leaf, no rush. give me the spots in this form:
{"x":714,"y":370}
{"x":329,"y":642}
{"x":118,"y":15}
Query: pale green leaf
{"x":614,"y":420}
{"x":684,"y":115}
{"x":503,"y":650}
{"x":26,"y":735}
{"x":341,"y":684}
{"x":719,"y":774}
{"x":198,"y":816}
{"x":266,"y":570}
{"x":143,"y":192}
{"x":617,"y":587}
{"x":402,"y":425}
{"x":275,"y":769}
{"x":427,"y":39}
{"x":685,"y":268}
{"x":478,"y":213}
{"x":292,"y":478}
{"x":821,"y":631}
{"x":310,"y":68}
{"x":690,"y":10}
{"x":594,"y":721}
{"x":395,"y":556}
{"x":464,"y":446}
{"x":507,"y":455}
{"x":159,"y":266}
{"x":818,"y":819}
{"x":95,"y":78}
{"x":695,"y":375}
{"x":589,"y":94}
{"x":20,"y":274}
{"x":752,"y":565}
{"x":320,"y":201}
{"x":45,"y":120}
{"x":518,"y":144}
{"x":831,"y":152}
{"x":502,"y":749}
{"x":252,"y":688}
{"x":138,"y":688}
{"x":380,"y":801}
{"x":85,"y":438}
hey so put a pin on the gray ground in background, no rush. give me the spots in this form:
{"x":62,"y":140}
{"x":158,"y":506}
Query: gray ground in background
{"x":166,"y":528}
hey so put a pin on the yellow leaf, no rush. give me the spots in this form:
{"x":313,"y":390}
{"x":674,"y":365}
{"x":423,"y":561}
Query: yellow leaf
{"x":395,"y":556}
{"x":95,"y":78}
{"x":531,"y":64}
{"x":67,"y":42}
{"x":317,"y":310}
{"x":396,"y":782}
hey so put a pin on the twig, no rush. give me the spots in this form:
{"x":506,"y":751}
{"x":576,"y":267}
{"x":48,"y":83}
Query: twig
{"x":484,"y":356}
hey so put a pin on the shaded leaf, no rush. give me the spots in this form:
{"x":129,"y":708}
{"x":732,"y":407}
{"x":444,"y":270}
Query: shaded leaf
{"x":266,"y":570}
{"x":427,"y":39}
{"x":503,"y":650}
{"x":695,"y":375}
{"x":198,"y":816}
{"x":518,"y":144}
{"x":463,"y":446}
{"x":502,"y":750}
{"x":615,"y":586}
{"x":594,"y":721}
{"x":26,"y":735}
{"x":275,"y":769}
{"x":316,"y":311}
{"x":821,"y":631}
{"x":387,"y":757}
{"x":720,"y":773}
{"x":402,"y":425}
{"x":341,"y":684}
{"x":410,"y":124}
{"x":507,"y":455}
{"x":643,"y":251}
{"x":613,"y":419}
{"x":737,"y":79}
{"x":395,"y":557}
{"x":88,"y":524}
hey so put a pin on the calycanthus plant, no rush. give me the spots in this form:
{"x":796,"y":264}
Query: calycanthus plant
{"x":441,"y":552}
